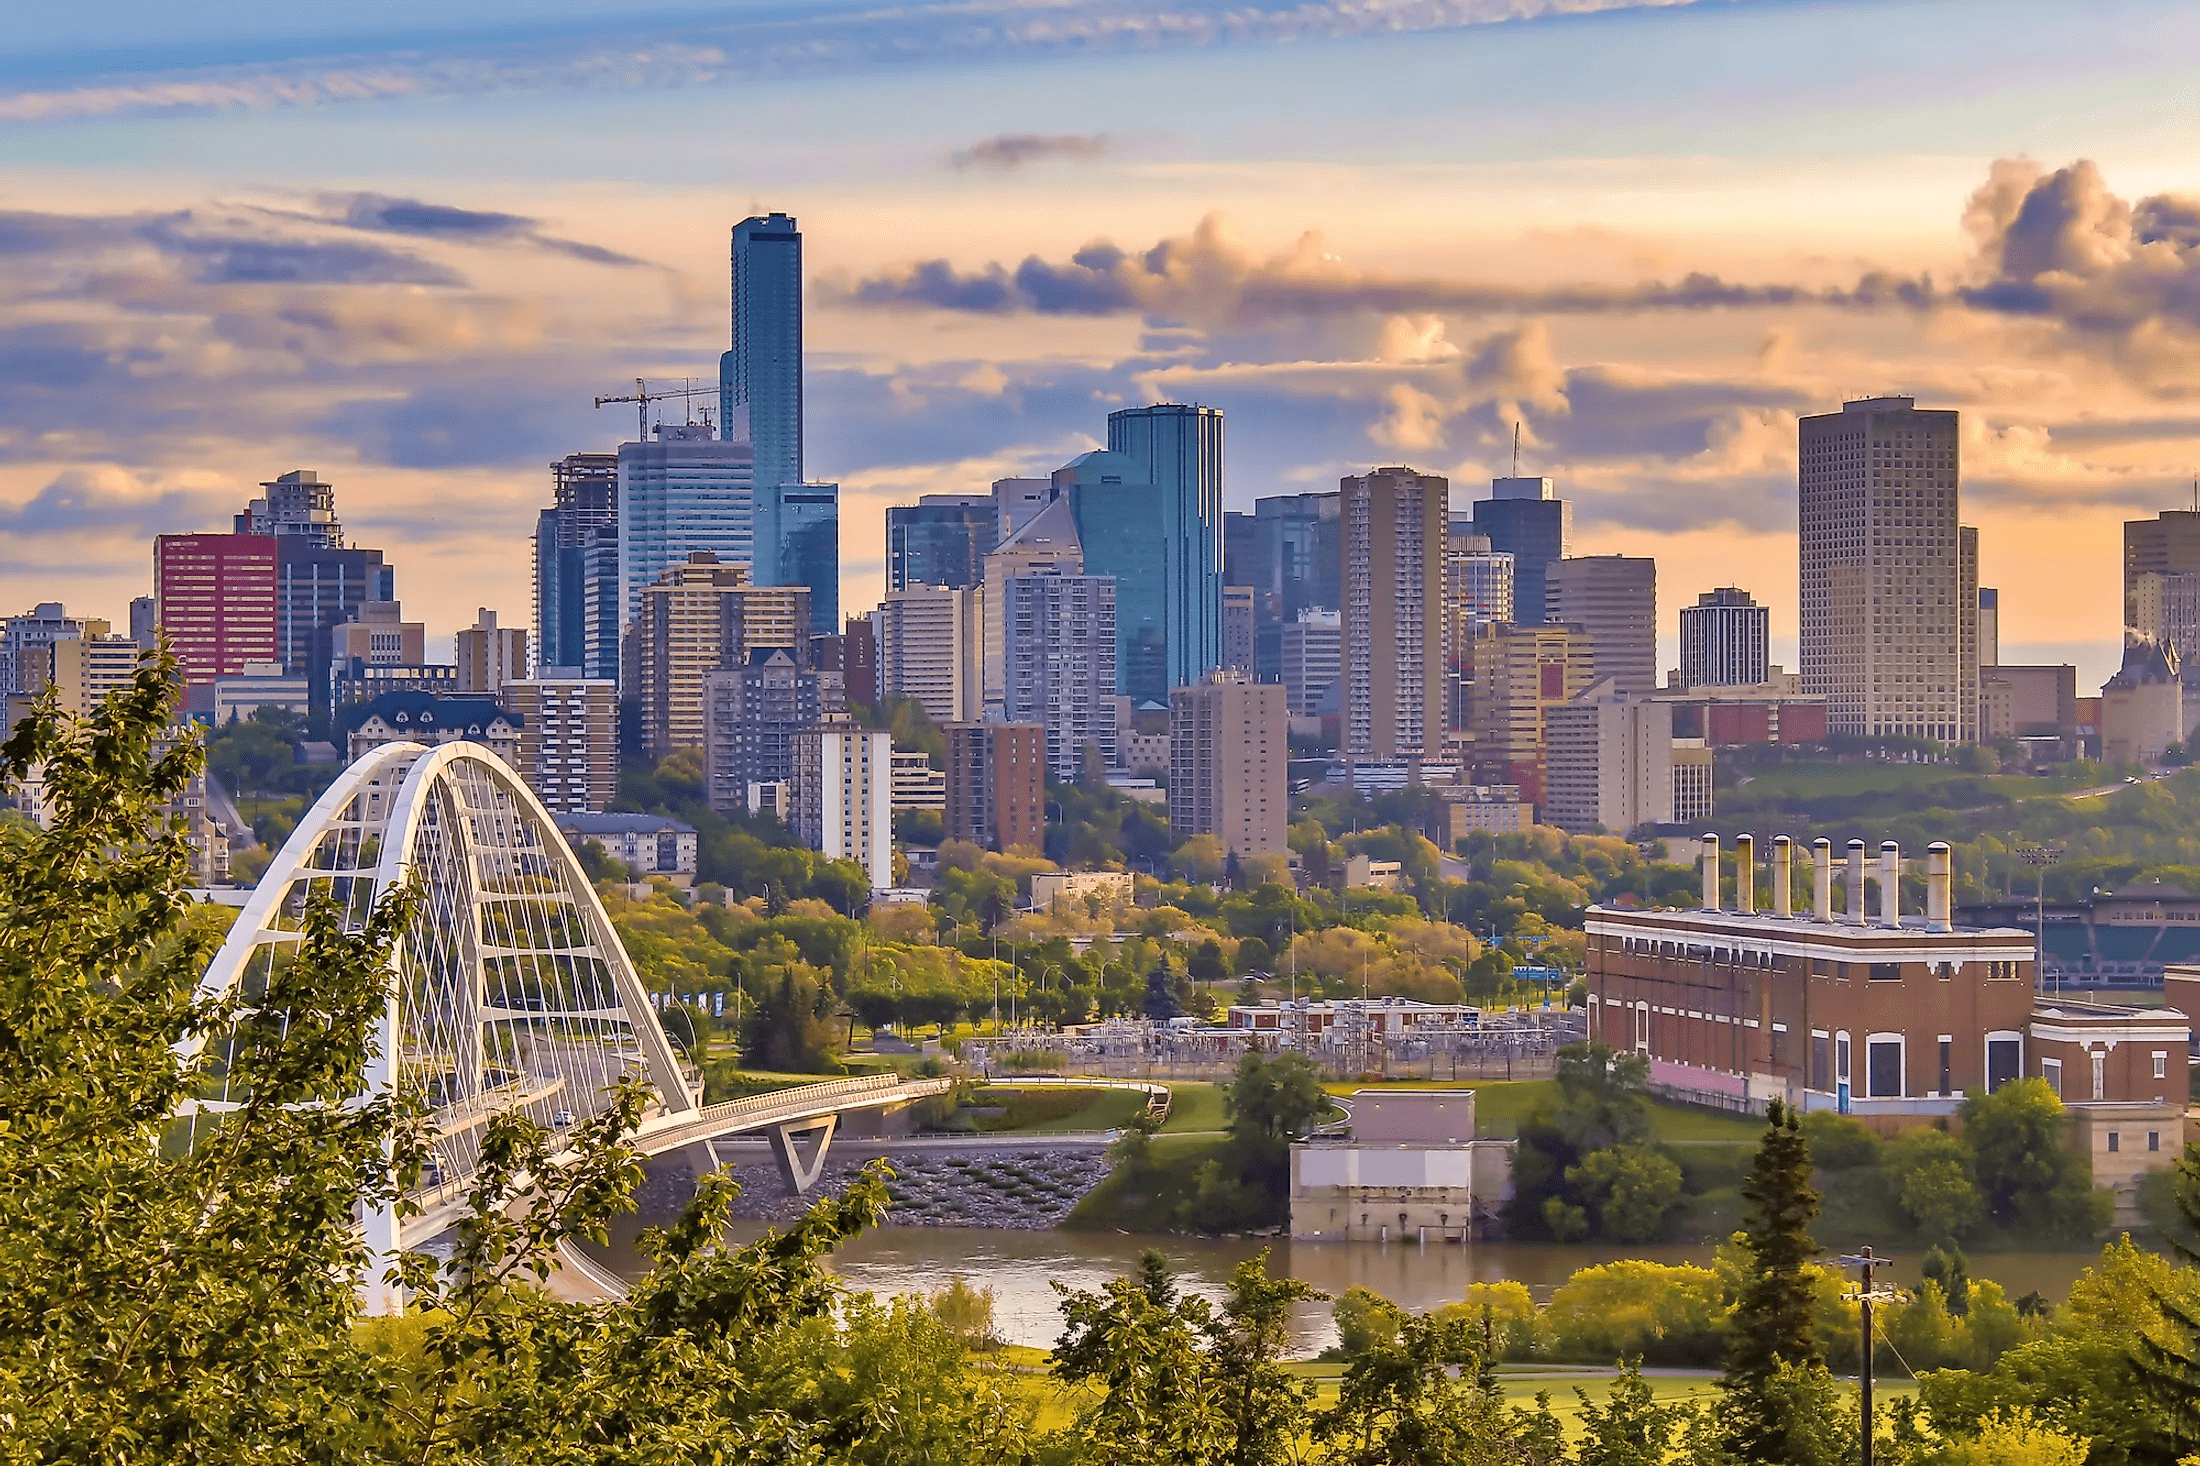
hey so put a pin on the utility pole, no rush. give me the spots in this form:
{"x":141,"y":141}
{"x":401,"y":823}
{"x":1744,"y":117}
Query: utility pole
{"x":1865,"y":1297}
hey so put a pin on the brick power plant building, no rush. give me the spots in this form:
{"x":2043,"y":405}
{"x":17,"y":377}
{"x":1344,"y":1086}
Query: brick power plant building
{"x":1860,"y":1008}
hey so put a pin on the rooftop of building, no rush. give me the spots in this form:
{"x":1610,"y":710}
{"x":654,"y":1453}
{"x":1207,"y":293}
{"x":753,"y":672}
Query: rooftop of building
{"x":412,"y":709}
{"x":1802,"y":925}
{"x":622,"y":824}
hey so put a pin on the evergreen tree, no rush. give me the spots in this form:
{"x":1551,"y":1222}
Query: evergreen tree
{"x":2169,"y":1364}
{"x":1161,"y":1000}
{"x":1771,"y":1328}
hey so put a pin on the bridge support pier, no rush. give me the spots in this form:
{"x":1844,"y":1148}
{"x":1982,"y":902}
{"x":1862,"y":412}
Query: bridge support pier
{"x":800,"y":1172}
{"x":702,"y":1157}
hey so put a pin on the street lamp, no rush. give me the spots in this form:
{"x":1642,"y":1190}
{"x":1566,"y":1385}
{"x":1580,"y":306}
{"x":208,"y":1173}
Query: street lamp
{"x":2040,"y":857}
{"x":1865,"y":1297}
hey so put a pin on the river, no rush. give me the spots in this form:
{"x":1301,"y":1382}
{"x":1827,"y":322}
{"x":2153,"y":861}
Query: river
{"x":1022,"y":1267}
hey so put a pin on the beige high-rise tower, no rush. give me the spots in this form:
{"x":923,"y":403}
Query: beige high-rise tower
{"x":1227,"y":754}
{"x":1393,"y":544}
{"x":1889,"y":573}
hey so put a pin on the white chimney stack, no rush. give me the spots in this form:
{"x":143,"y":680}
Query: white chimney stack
{"x":1939,"y":880}
{"x":1745,"y":873}
{"x":1856,"y":883}
{"x":1890,"y":883}
{"x":1711,"y":872}
{"x":1821,"y":861}
{"x":1783,"y":857}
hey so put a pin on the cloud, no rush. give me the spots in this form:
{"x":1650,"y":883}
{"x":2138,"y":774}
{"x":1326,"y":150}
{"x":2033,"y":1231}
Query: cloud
{"x":1209,"y":278}
{"x":791,"y":41}
{"x":2062,"y":247}
{"x":1011,"y":150}
{"x":106,"y":501}
{"x":381,"y":214}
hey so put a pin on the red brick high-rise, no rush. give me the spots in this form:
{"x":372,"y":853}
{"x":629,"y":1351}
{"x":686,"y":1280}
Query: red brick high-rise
{"x":216,"y":596}
{"x":996,"y":784}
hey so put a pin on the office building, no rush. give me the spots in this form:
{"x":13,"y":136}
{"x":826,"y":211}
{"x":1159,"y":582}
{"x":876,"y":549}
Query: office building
{"x":1392,"y":678}
{"x":298,"y":505}
{"x":1227,"y":754}
{"x":145,"y":621}
{"x":996,"y":783}
{"x":2165,"y":607}
{"x":798,"y":544}
{"x":1058,"y":649}
{"x":1989,"y":626}
{"x":1889,"y":633}
{"x":321,"y":582}
{"x":929,"y":644}
{"x":353,"y":682}
{"x":684,"y":493}
{"x":1520,"y":673}
{"x":1150,"y":514}
{"x":2033,"y":702}
{"x":422,"y":717}
{"x":1246,"y":559}
{"x":488,"y":656}
{"x":841,"y":793}
{"x":2143,"y":705}
{"x":1525,"y":518}
{"x":1300,"y":551}
{"x":217,"y":602}
{"x":1608,"y":762}
{"x":584,"y":491}
{"x":942,"y":539}
{"x":696,"y":617}
{"x":853,"y":653}
{"x":751,"y":714}
{"x":260,"y":685}
{"x":1726,"y":640}
{"x":1016,"y":500}
{"x":760,"y":379}
{"x":1237,"y":628}
{"x":1725,"y":716}
{"x":1478,"y":590}
{"x":2167,"y":544}
{"x":1048,"y":542}
{"x":1312,"y":656}
{"x":378,"y":635}
{"x":26,"y":646}
{"x":84,"y":669}
{"x":917,"y":785}
{"x":604,"y":620}
{"x":1695,"y":781}
{"x":1614,"y":598}
{"x":568,"y":738}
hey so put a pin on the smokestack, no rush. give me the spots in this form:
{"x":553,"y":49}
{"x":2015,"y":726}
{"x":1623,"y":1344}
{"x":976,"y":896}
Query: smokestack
{"x":1711,"y":872}
{"x":1745,"y":873}
{"x":1821,"y":863}
{"x":1856,"y":883}
{"x":1783,"y":856}
{"x":1890,"y":883}
{"x":1939,"y":878}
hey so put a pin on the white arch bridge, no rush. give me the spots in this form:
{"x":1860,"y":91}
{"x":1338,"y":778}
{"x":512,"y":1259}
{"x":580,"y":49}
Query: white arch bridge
{"x":509,"y":990}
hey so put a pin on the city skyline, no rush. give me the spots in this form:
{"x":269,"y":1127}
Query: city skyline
{"x":446,"y":314}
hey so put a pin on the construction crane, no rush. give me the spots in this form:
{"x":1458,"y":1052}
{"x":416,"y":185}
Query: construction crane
{"x":641,"y":397}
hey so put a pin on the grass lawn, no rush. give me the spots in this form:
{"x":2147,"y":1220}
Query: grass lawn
{"x":1057,"y":1110}
{"x":1193,"y":1107}
{"x":1500,"y":1106}
{"x":1113,"y":1206}
{"x":1024,"y":1374}
{"x":1819,"y":781}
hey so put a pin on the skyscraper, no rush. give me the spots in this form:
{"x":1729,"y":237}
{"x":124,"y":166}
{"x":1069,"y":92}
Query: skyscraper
{"x":1887,"y":569}
{"x":320,"y":582}
{"x":584,"y":489}
{"x":1392,"y":577}
{"x":2167,"y":544}
{"x":798,"y":543}
{"x":1478,"y":590}
{"x":1525,"y":519}
{"x":298,"y":505}
{"x":1615,"y":599}
{"x":1227,"y":753}
{"x":1167,"y":561}
{"x":760,"y":379}
{"x":1058,"y":645}
{"x":1238,"y":616}
{"x":1046,"y":541}
{"x":996,"y":781}
{"x":489,"y":655}
{"x":842,"y":795}
{"x":217,"y":601}
{"x":929,"y":640}
{"x":682,"y":494}
{"x":942,"y":539}
{"x":1726,"y":640}
{"x":696,"y":617}
{"x":751,"y":714}
{"x":1520,"y":674}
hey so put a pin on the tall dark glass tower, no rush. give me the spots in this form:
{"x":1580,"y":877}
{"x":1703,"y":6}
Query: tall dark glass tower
{"x":1172,"y":569}
{"x":584,"y":499}
{"x":760,"y":380}
{"x":1523,"y":518}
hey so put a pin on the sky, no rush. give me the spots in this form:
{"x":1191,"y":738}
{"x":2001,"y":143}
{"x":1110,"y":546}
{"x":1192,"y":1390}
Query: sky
{"x":407,"y":244}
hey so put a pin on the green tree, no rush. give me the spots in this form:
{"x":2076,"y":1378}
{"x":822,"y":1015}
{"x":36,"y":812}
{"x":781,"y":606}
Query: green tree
{"x":1930,"y":1173}
{"x":1365,"y":1320}
{"x":1137,"y":1344}
{"x":2030,"y":1178}
{"x":1599,"y":1101}
{"x":1265,"y":1408}
{"x":1632,"y":1428}
{"x":1771,"y":1349}
{"x":1631,"y":1189}
{"x":788,"y":1030}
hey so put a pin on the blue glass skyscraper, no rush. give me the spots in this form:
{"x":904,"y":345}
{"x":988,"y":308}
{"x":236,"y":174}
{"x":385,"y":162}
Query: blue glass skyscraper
{"x":1526,"y":520}
{"x":1165,"y":553}
{"x":760,"y":380}
{"x":802,"y":524}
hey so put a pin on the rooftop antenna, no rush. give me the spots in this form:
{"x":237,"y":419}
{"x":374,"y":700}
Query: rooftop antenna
{"x":1516,"y":453}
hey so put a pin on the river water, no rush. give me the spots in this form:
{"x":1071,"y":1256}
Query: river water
{"x":1022,"y":1267}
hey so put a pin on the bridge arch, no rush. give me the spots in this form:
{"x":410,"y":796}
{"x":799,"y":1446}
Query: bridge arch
{"x":509,"y":988}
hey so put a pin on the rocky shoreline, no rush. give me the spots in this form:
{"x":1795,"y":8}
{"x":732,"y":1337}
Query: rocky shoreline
{"x":978,"y":1186}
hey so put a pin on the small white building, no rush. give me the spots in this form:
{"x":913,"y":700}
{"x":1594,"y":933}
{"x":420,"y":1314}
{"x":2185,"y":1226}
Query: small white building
{"x":1113,"y":887}
{"x":653,"y":844}
{"x":1409,"y":1170}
